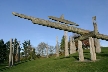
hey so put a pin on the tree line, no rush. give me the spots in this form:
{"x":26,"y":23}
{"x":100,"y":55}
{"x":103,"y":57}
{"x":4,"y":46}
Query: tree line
{"x":28,"y":52}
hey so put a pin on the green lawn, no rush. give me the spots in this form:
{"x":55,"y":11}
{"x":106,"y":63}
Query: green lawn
{"x":64,"y":64}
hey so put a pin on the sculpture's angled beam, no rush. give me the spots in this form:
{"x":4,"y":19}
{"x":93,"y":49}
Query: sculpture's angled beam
{"x":94,"y":34}
{"x":59,"y":26}
{"x":62,"y":20}
{"x":70,"y":29}
{"x":101,"y":36}
{"x":52,"y":24}
{"x":91,"y":34}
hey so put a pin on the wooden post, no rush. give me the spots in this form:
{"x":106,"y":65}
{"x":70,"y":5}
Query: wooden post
{"x":13,"y":53}
{"x":47,"y":51}
{"x":66,"y":44}
{"x":80,"y":51}
{"x":57,"y":47}
{"x":97,"y":45}
{"x":92,"y":49}
{"x":73,"y":44}
{"x":71,"y":51}
{"x":96,"y":41}
{"x":66,"y":39}
{"x":19,"y":51}
{"x":10,"y":54}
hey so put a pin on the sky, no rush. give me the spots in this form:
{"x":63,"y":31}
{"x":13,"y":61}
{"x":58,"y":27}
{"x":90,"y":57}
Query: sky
{"x":78,"y":11}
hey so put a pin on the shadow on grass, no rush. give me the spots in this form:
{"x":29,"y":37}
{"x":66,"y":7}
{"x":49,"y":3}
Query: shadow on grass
{"x":103,"y":55}
{"x":1,"y":70}
{"x":87,"y":58}
{"x":65,"y":57}
{"x":76,"y":57}
{"x":102,"y":52}
{"x":20,"y":62}
{"x":5,"y":68}
{"x":62,"y":58}
{"x":86,"y":52}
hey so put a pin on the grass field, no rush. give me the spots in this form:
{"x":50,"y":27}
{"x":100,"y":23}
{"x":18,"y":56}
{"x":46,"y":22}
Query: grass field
{"x":62,"y":64}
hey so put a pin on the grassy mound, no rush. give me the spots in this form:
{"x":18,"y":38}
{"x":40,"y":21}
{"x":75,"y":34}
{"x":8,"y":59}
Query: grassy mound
{"x":62,"y":64}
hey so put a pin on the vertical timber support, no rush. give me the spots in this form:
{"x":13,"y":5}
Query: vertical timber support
{"x":96,"y":41}
{"x":80,"y":50}
{"x":66,"y":44}
{"x":47,"y":50}
{"x":71,"y":51}
{"x":73,"y":45}
{"x":97,"y":45}
{"x":10,"y":54}
{"x":13,"y":52}
{"x":17,"y":54}
{"x":12,"y":57}
{"x":19,"y":51}
{"x":66,"y":40}
{"x":57,"y":47}
{"x":92,"y":49}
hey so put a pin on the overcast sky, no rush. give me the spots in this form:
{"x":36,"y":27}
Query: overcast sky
{"x":78,"y":11}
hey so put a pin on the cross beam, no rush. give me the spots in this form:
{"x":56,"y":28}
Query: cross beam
{"x":90,"y":34}
{"x":62,"y":20}
{"x":84,"y":37}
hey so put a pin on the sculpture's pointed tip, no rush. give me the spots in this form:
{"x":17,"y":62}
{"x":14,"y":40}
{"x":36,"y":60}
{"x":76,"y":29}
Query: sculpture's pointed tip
{"x":94,"y":17}
{"x":62,"y":16}
{"x":13,"y":12}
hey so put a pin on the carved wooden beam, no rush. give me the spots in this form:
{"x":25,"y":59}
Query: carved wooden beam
{"x":52,"y":24}
{"x":59,"y":26}
{"x":84,"y":37}
{"x":90,"y":34}
{"x":62,"y":20}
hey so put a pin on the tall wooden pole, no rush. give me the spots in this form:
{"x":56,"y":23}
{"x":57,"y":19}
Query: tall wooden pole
{"x":96,"y":41}
{"x":80,"y":51}
{"x":70,"y":44}
{"x":10,"y":54}
{"x":57,"y":47}
{"x":66,"y":40}
{"x":47,"y":50}
{"x":66,"y":44}
{"x":13,"y":54}
{"x":19,"y":52}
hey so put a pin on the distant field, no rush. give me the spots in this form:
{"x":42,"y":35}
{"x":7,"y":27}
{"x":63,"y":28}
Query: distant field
{"x":64,"y":64}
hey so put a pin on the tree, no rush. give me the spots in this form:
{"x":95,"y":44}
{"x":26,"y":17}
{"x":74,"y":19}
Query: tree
{"x":32,"y":53}
{"x":62,"y":44}
{"x":3,"y":51}
{"x":41,"y":48}
{"x":27,"y":49}
{"x":51,"y":50}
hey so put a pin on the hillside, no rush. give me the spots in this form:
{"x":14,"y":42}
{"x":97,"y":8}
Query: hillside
{"x":62,"y":64}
